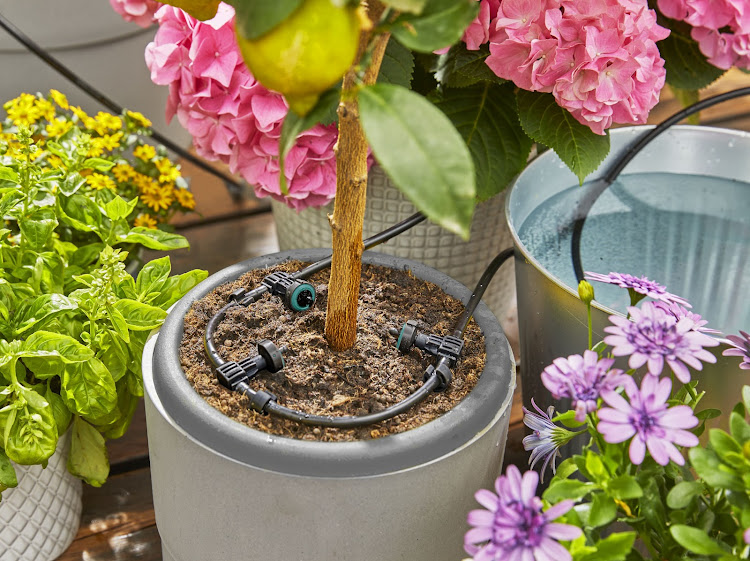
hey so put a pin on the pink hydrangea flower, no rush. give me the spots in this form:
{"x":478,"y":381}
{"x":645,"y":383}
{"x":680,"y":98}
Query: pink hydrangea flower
{"x":231,"y":117}
{"x":598,"y":58}
{"x":140,"y":12}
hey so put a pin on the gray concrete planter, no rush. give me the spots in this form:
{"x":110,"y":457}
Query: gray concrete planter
{"x":226,"y":491}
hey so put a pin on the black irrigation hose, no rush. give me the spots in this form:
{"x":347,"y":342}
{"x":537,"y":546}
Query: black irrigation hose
{"x":59,"y":67}
{"x":434,"y":379}
{"x":601,"y":184}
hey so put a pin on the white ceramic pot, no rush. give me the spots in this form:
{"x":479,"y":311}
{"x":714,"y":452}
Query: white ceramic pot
{"x":223,"y":490}
{"x":40,"y":517}
{"x":427,"y":243}
{"x":93,"y":41}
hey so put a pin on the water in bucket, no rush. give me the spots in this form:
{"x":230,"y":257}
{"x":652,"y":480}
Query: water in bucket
{"x":690,"y":233}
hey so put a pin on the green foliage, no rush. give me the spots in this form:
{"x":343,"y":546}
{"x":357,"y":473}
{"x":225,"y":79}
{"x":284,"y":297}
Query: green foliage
{"x":687,"y":68}
{"x":255,"y":18}
{"x":73,"y":321}
{"x":460,"y":67}
{"x":430,"y":164}
{"x":547,"y":123}
{"x":440,"y":24}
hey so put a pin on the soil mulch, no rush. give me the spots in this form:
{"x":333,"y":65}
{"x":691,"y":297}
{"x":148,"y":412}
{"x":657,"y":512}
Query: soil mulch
{"x":367,"y":378}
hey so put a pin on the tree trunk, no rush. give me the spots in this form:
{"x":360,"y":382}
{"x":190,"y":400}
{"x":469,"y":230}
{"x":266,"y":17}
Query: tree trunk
{"x":349,"y":206}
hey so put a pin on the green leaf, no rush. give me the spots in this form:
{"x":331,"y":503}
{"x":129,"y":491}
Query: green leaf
{"x":612,"y":548}
{"x":722,"y":443}
{"x":118,"y":323}
{"x":487,"y":118}
{"x":746,"y":397}
{"x":566,"y":469}
{"x":42,"y":308}
{"x":441,"y":23}
{"x":155,"y":239}
{"x":739,"y":428}
{"x":152,"y":276}
{"x":88,"y":454}
{"x":324,"y":112}
{"x":88,"y":389}
{"x":624,"y":487}
{"x":687,"y":68}
{"x":398,"y":65}
{"x":567,"y":489}
{"x":80,"y":212}
{"x":176,"y":287}
{"x":32,"y":437}
{"x":460,"y":67}
{"x":9,"y":201}
{"x":681,"y":494}
{"x":98,"y":164}
{"x":547,"y":123}
{"x":61,"y":413}
{"x":139,"y":316}
{"x":413,"y":6}
{"x":127,"y":404}
{"x":712,"y":471}
{"x":8,"y":174}
{"x":603,"y":510}
{"x":430,"y":163}
{"x":595,"y":467}
{"x":37,"y":232}
{"x":86,"y":255}
{"x":254,"y":18}
{"x":7,"y":472}
{"x":119,"y":208}
{"x":568,"y":419}
{"x":61,"y":349}
{"x":114,"y":354}
{"x":695,"y":540}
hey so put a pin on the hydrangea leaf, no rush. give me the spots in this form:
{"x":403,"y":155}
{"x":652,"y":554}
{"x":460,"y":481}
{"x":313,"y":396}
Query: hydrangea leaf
{"x":487,"y":118}
{"x":546,"y":122}
{"x":441,"y":23}
{"x":460,"y":67}
{"x":88,"y":454}
{"x":687,"y":68}
{"x":254,"y":18}
{"x":430,"y":163}
{"x":397,"y":66}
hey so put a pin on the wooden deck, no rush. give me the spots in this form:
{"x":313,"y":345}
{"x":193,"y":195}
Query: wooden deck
{"x":118,"y":523}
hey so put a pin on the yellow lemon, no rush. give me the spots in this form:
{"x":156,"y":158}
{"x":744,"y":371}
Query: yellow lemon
{"x":199,"y":9}
{"x":305,"y":54}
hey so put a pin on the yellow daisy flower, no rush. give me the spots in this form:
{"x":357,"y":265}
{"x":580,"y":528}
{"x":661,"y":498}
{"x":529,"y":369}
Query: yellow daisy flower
{"x":59,"y":98}
{"x":123,"y":172}
{"x":185,"y":198}
{"x":168,"y":173}
{"x":145,"y":221}
{"x":80,"y":113}
{"x":139,"y":118}
{"x":157,"y":200}
{"x":58,"y":127}
{"x":144,"y":183}
{"x":97,"y":148}
{"x":54,"y":161}
{"x":22,"y":110}
{"x":144,"y":152}
{"x":45,"y":108}
{"x":111,"y":141}
{"x":100,"y":181}
{"x":109,"y":121}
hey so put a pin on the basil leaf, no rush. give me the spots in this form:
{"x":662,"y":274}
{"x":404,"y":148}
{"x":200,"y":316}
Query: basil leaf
{"x":88,"y":454}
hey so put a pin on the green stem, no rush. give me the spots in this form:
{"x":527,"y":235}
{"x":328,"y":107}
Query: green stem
{"x":591,"y":328}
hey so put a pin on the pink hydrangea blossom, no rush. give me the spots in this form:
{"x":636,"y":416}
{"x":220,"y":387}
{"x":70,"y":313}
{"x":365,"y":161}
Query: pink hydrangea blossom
{"x":232,"y":117}
{"x":140,"y":12}
{"x":721,"y":28}
{"x":598,"y":58}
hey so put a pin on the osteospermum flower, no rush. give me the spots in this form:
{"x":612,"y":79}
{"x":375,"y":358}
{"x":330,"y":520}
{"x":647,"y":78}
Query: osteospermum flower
{"x":582,"y":379}
{"x":546,"y":439}
{"x":647,"y":419}
{"x":640,"y":285}
{"x":741,"y":348}
{"x":679,"y":312}
{"x":514,"y":527}
{"x":653,"y":336}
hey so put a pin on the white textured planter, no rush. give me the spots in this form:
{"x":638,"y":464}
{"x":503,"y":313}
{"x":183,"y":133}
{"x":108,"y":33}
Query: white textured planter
{"x":225,"y":491}
{"x":40,"y":517}
{"x":93,"y":41}
{"x":427,"y":243}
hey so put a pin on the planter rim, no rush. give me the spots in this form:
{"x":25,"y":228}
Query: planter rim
{"x":621,"y":137}
{"x":468,"y":420}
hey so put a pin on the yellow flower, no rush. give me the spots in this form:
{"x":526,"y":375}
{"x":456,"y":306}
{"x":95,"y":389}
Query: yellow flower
{"x":109,"y":121}
{"x":145,"y":221}
{"x":185,"y":198}
{"x":54,"y":161}
{"x":144,"y":183}
{"x":58,"y":127}
{"x":145,"y":152}
{"x":139,"y":118}
{"x":168,"y":172}
{"x":111,"y":141}
{"x":45,"y":108}
{"x":23,"y":110}
{"x":97,"y":148}
{"x":99,"y":181}
{"x":157,"y":200}
{"x":80,"y":113}
{"x":123,"y":172}
{"x":59,"y":98}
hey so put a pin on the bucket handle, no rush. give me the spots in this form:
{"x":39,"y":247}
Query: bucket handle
{"x":601,"y":184}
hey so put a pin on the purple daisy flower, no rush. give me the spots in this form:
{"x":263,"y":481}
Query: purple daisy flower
{"x":649,"y":421}
{"x":513,"y":527}
{"x":679,"y":312}
{"x":741,"y":348}
{"x":655,"y":336}
{"x":640,"y":285}
{"x":546,"y":439}
{"x":582,"y":378}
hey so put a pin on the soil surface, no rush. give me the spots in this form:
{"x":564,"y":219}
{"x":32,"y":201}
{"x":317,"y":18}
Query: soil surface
{"x":367,"y":378}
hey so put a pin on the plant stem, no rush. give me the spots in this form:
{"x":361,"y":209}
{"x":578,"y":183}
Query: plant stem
{"x":351,"y":188}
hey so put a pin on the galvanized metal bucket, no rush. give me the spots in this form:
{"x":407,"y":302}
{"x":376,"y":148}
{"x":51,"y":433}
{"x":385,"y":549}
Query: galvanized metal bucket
{"x":700,"y":267}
